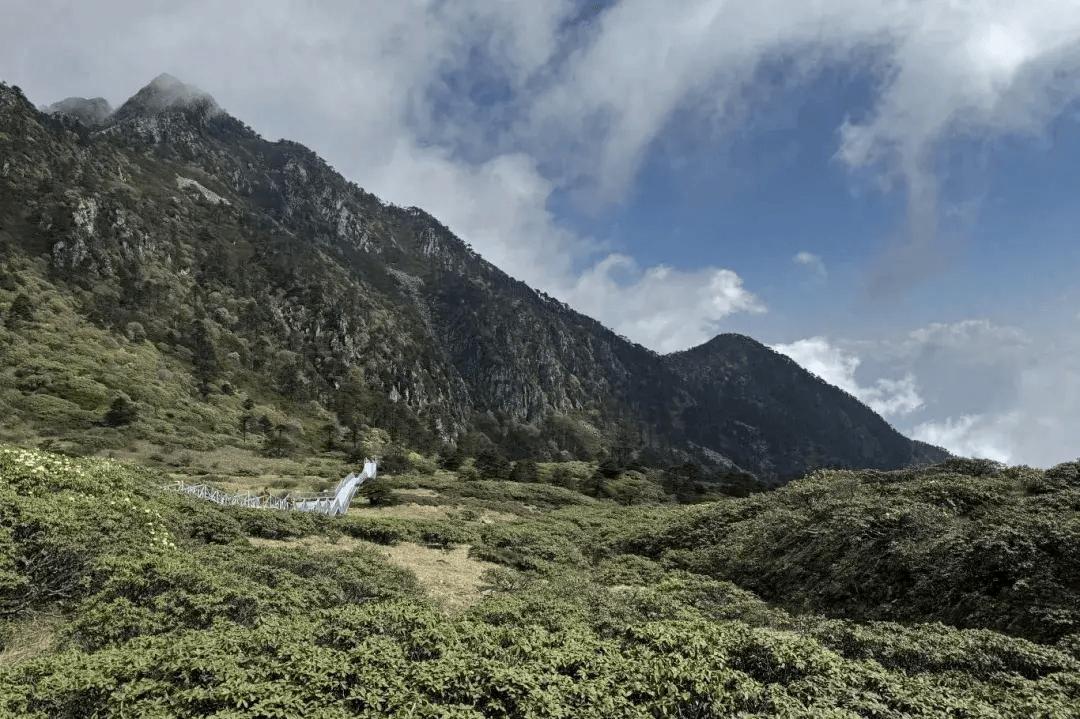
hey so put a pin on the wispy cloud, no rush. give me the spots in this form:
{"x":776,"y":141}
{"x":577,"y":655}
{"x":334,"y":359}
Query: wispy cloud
{"x":652,"y":308}
{"x":811,"y":262}
{"x":977,"y":436}
{"x":1015,"y":396}
{"x":390,"y":92}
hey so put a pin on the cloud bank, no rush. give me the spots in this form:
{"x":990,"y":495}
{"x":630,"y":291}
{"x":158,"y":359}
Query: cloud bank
{"x":1023,"y":391}
{"x":505,"y":103}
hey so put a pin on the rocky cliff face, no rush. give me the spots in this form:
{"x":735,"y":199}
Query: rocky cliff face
{"x":171,"y":213}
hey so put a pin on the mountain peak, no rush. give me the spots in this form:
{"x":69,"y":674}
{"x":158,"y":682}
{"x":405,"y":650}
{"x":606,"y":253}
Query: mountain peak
{"x":164,"y":93}
{"x":88,"y":112}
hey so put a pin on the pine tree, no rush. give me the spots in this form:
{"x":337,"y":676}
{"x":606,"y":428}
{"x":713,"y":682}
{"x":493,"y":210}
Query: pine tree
{"x":21,"y":310}
{"x":120,"y":413}
{"x":205,"y":356}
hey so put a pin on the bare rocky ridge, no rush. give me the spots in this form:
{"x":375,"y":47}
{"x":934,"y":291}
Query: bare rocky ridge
{"x":321,"y":276}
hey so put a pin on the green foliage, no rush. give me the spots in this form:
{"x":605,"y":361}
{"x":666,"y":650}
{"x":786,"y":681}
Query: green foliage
{"x":539,"y":495}
{"x":278,"y":444}
{"x":379,"y":493}
{"x":634,"y":489}
{"x":490,"y":464}
{"x":452,"y":460}
{"x":421,"y":464}
{"x":525,"y":471}
{"x":121,"y":413}
{"x":170,"y":612}
{"x":21,"y":310}
{"x":973,"y":550}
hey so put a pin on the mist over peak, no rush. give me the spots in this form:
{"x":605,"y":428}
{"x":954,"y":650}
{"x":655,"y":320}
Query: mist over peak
{"x":88,"y":112}
{"x":165,"y":92}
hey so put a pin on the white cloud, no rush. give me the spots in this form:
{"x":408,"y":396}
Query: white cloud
{"x":830,"y":363}
{"x":1022,"y":390}
{"x":976,"y":436}
{"x":812,"y":262}
{"x":971,"y":341}
{"x":980,"y":337}
{"x":664,"y":309}
{"x":356,"y":81}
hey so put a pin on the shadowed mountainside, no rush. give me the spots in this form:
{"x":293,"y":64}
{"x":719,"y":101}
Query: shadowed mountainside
{"x":170,"y":215}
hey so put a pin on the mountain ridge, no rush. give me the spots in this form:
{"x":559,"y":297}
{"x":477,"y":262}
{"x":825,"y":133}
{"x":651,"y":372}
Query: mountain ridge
{"x":314,"y":262}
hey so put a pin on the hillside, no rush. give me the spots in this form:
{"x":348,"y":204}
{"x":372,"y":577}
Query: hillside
{"x":503,"y":599}
{"x":165,"y":256}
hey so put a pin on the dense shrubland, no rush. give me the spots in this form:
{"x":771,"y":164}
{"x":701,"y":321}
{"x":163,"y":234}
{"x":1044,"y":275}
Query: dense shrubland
{"x":166,"y":608}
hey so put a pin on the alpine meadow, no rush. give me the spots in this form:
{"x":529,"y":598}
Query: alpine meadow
{"x":563,"y":523}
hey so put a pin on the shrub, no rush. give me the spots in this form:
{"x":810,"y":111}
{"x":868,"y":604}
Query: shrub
{"x":467,"y":471}
{"x":278,"y":445}
{"x":21,"y":310}
{"x":379,"y":493}
{"x":395,"y":461}
{"x":421,"y":464}
{"x":492,"y":465}
{"x":452,"y":460}
{"x":135,"y":332}
{"x":525,"y":471}
{"x":1065,"y":474}
{"x":121,"y":413}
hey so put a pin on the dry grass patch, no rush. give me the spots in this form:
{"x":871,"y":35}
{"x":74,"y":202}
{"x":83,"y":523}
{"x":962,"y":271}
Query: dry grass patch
{"x":417,"y":492}
{"x":30,"y":638}
{"x":449,"y":576}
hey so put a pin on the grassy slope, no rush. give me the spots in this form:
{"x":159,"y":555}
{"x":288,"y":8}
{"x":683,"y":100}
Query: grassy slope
{"x":59,"y":373}
{"x":159,"y":604}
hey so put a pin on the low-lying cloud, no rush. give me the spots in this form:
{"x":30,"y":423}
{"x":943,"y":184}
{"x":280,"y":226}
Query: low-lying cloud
{"x":1024,"y":391}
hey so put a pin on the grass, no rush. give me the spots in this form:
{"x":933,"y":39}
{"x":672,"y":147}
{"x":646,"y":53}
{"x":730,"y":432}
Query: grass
{"x":31,"y":637}
{"x":449,"y":576}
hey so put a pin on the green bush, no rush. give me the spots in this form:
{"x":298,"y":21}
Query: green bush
{"x":379,"y":493}
{"x":170,"y":613}
{"x":276,"y":523}
{"x":422,"y":465}
{"x":380,"y":530}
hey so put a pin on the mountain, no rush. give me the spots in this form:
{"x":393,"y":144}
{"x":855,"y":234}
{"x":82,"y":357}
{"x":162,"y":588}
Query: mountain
{"x":253,"y":265}
{"x":764,"y":411}
{"x":86,"y":112}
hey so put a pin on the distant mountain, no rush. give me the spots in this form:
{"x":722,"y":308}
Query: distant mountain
{"x":87,"y":112}
{"x":766,"y":412}
{"x":172,"y":214}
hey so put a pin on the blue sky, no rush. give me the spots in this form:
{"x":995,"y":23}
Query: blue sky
{"x":883,"y":191}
